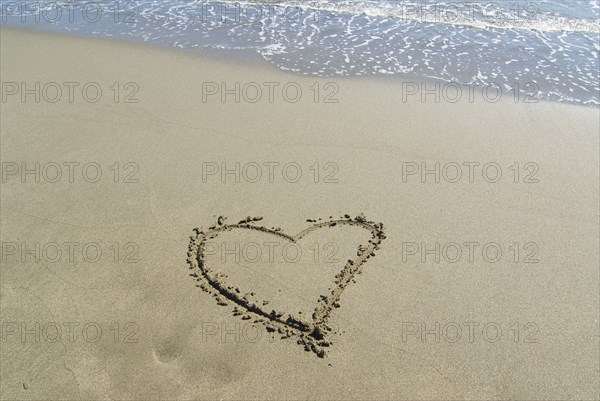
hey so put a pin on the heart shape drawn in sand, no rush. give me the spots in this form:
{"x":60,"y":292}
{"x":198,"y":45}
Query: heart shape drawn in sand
{"x":311,"y":334}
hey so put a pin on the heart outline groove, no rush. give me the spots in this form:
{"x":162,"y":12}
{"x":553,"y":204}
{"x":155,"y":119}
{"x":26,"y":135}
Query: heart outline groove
{"x":311,"y":334}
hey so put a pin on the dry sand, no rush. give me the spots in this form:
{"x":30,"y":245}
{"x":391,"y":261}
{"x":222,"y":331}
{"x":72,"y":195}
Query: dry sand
{"x":395,"y":332}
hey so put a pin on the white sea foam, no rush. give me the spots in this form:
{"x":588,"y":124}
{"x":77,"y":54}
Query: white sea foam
{"x":549,"y":44}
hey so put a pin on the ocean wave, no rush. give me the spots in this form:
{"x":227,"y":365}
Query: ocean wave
{"x":482,"y":15}
{"x":553,"y":50}
{"x":535,"y":16}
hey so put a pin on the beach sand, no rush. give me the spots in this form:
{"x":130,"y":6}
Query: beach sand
{"x":408,"y":328}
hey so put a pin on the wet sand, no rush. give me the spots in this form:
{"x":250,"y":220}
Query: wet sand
{"x":417,"y":323}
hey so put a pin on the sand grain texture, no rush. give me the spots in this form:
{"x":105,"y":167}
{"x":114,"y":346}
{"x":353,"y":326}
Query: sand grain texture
{"x":368,"y":134}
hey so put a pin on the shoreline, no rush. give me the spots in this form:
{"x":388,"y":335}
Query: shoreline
{"x":250,"y":57}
